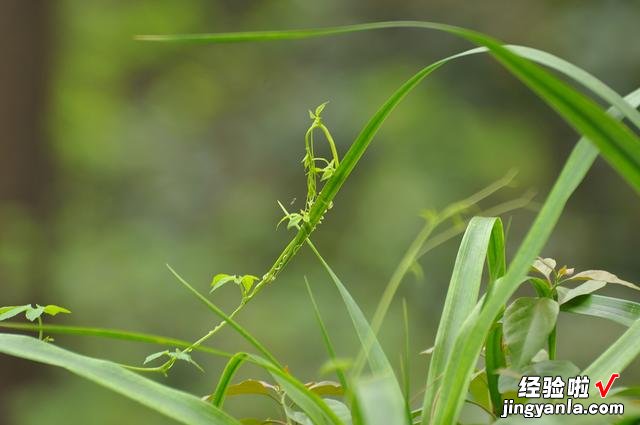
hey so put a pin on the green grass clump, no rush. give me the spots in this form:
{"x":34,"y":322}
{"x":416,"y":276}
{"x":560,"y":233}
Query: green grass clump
{"x":484,"y":340}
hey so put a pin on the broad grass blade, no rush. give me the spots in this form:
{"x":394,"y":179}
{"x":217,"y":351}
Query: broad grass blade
{"x":178,"y":405}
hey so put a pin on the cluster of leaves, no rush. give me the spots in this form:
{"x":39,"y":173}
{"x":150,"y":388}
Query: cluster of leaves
{"x":32,"y":314}
{"x":527,"y":331}
{"x":516,"y":336}
{"x":312,"y":170}
{"x":245,"y":282}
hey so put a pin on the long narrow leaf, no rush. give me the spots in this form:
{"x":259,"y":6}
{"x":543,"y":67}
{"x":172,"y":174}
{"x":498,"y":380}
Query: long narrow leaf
{"x":619,"y":146}
{"x":111,"y":334}
{"x":620,"y":311}
{"x":229,"y":371}
{"x":378,"y":361}
{"x":461,"y":298}
{"x":175,"y":404}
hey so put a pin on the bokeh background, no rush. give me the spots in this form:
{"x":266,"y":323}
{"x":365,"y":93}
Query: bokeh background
{"x":118,"y":156}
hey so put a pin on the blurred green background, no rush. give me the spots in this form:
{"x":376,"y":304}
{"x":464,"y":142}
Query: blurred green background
{"x":118,"y":156}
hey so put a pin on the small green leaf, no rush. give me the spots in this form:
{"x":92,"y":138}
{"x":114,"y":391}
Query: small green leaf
{"x":246,"y":282}
{"x":34,"y":313}
{"x":527,"y":324}
{"x":334,"y":365}
{"x":320,"y":108}
{"x":185,"y":357}
{"x":297,"y":417}
{"x":10,"y":311}
{"x":221,"y":279}
{"x":52,"y":310}
{"x":154,"y":356}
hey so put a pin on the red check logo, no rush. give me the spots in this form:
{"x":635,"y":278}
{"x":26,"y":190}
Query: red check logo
{"x":604,"y":390}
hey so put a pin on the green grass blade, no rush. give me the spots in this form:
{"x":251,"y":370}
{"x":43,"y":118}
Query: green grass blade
{"x":229,"y":371}
{"x":617,"y":310}
{"x":406,"y":359}
{"x":182,"y":407}
{"x":326,"y":338}
{"x":466,"y":351}
{"x":111,"y":334}
{"x":494,"y":362}
{"x":461,"y":299}
{"x":618,"y":356}
{"x":378,"y":361}
{"x":618,"y":145}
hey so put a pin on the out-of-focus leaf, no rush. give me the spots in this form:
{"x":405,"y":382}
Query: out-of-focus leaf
{"x":339,"y":408}
{"x":326,"y":388}
{"x":527,"y":324}
{"x":252,"y":386}
{"x":251,"y":421}
{"x":509,"y":378}
{"x":380,"y":402}
{"x":297,"y":417}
